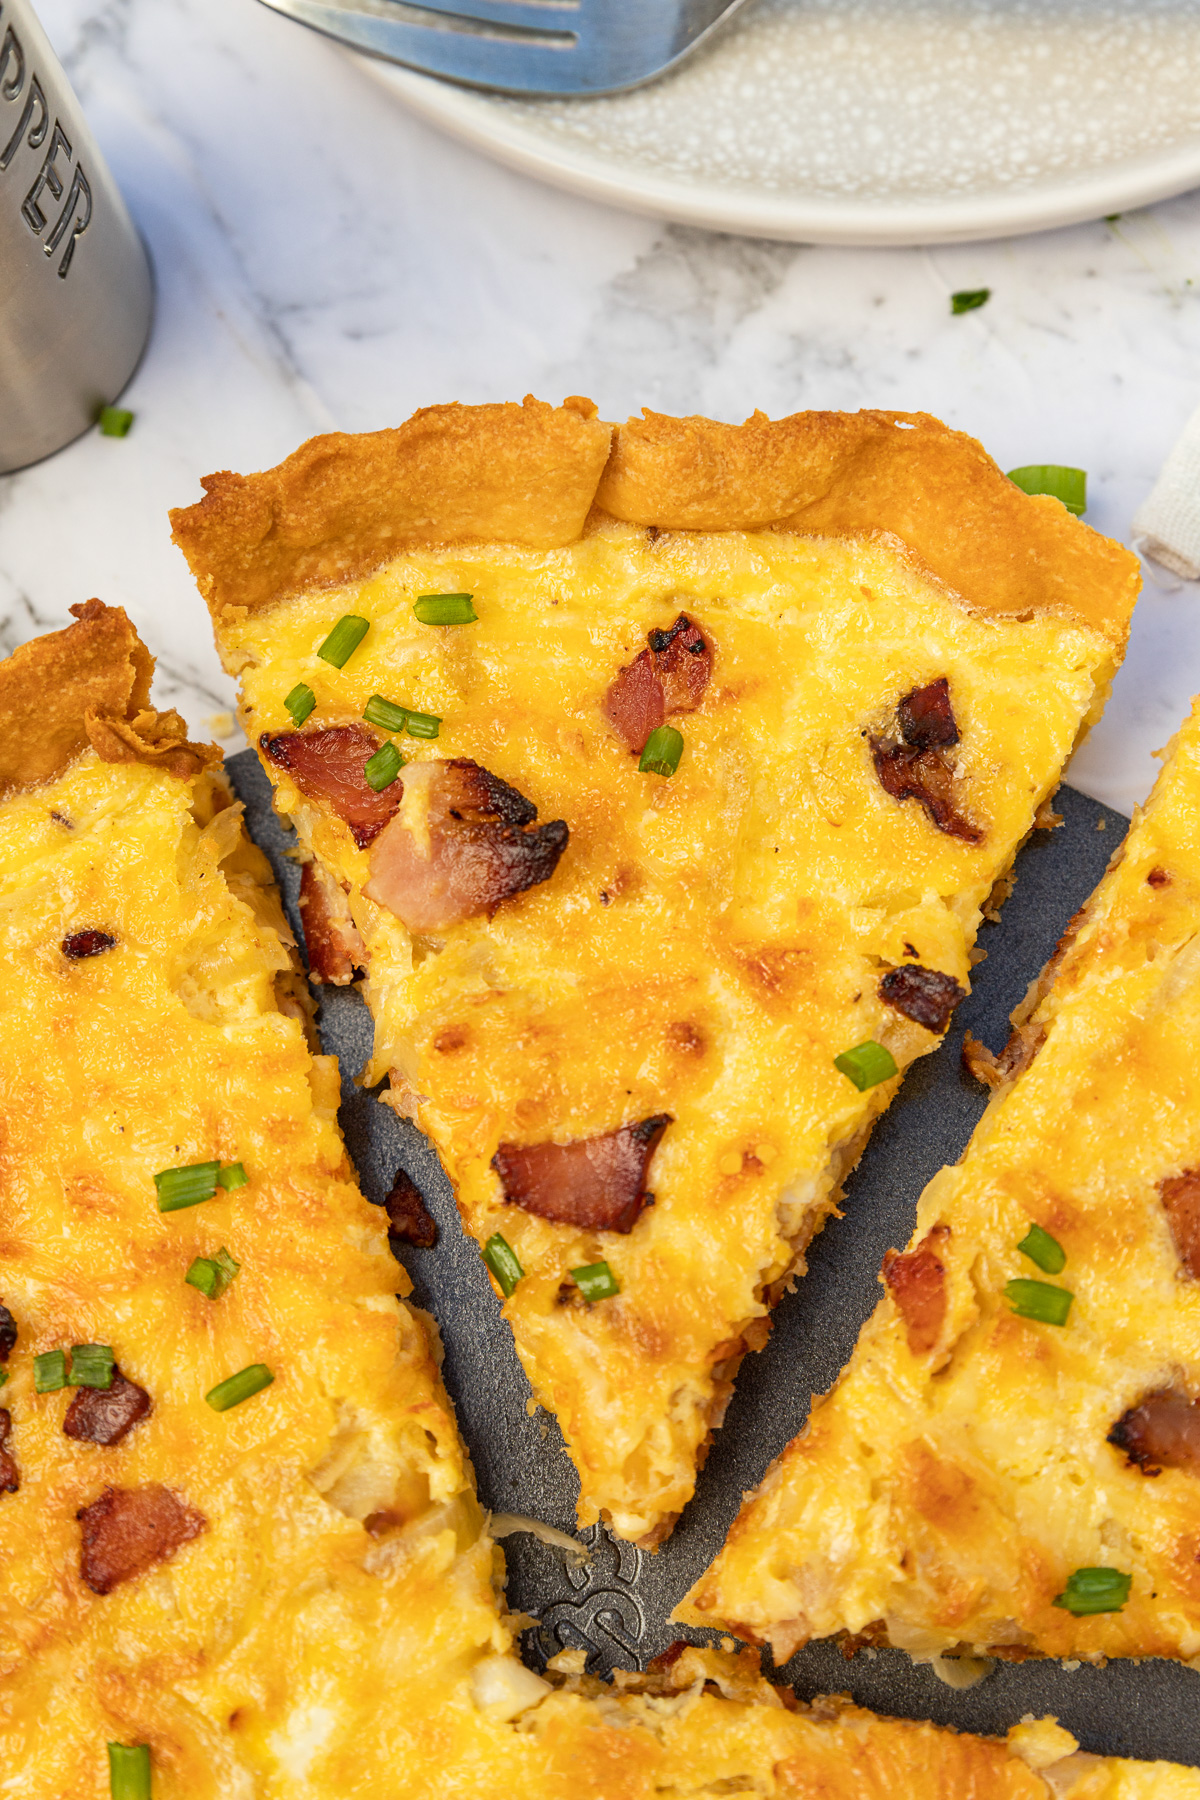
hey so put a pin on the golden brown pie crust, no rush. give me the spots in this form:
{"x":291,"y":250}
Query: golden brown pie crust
{"x":535,"y":474}
{"x":87,"y":685}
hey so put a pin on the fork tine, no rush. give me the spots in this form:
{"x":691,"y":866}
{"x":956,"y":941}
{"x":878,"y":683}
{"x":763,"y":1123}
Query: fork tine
{"x":519,"y":15}
{"x":519,"y":65}
{"x":520,"y":46}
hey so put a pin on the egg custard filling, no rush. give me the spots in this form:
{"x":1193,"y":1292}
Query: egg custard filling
{"x":657,"y":779}
{"x":241,"y":1556}
{"x":1011,"y":1461}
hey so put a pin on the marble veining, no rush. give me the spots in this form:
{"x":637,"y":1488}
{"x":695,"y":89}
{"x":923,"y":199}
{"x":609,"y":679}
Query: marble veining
{"x":325,"y":260}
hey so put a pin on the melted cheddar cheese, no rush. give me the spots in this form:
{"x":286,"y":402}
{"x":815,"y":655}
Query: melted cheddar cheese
{"x":332,"y":1628}
{"x":707,"y":945}
{"x":952,"y":1494}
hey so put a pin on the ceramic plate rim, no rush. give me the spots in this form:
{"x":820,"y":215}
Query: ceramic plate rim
{"x":471,"y":117}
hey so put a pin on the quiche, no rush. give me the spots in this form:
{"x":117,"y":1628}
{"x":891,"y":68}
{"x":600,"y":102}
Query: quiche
{"x":1011,"y":1460}
{"x":242,"y":1556}
{"x":658,"y":779}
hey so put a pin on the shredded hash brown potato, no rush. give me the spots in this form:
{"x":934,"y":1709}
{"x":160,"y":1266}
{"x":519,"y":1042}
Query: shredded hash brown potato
{"x":297,"y":1599}
{"x":800,"y":601}
{"x":946,"y":1489}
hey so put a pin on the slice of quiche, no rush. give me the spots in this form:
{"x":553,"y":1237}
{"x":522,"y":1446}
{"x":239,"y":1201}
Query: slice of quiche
{"x":241,"y":1555}
{"x":1011,"y":1460}
{"x":658,"y":778}
{"x":222,"y":1440}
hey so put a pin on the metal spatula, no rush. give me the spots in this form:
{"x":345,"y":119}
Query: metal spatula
{"x":522,"y":46}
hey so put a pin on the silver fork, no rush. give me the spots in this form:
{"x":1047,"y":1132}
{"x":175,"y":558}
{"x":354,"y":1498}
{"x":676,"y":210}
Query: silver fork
{"x":544,"y":47}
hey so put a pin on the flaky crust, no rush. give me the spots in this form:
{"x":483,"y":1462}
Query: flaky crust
{"x":87,"y":685}
{"x":342,"y":505}
{"x":534,"y":474}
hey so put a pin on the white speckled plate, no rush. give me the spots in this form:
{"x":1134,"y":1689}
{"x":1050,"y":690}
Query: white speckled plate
{"x":875,"y":121}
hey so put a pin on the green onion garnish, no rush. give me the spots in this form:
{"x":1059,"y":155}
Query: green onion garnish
{"x":445,"y":609}
{"x":91,"y":1365}
{"x":50,"y":1371}
{"x":212,"y":1274}
{"x":1094,"y":1591}
{"x":236,"y":1388}
{"x":114,"y":421}
{"x":596,"y":1281}
{"x":382,"y":768}
{"x":300,"y":702}
{"x":502,"y":1260}
{"x":188,"y":1186}
{"x":867,"y":1064}
{"x":1043,"y":1250}
{"x":968,"y":299}
{"x":232,"y":1175}
{"x":386,"y":713}
{"x":129,"y":1771}
{"x":3,"y":1376}
{"x":1038,"y":1300}
{"x":664,"y":747}
{"x":422,"y":725}
{"x":1067,"y":485}
{"x":344,"y":640}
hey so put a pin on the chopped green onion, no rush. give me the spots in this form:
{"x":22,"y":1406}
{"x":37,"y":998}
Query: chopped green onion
{"x":596,"y":1281}
{"x":300,"y":702}
{"x":382,"y":768}
{"x":344,"y":640}
{"x":232,"y":1175}
{"x":504,"y":1263}
{"x":50,"y":1371}
{"x":968,"y":299}
{"x":422,"y":725}
{"x":1038,"y":1300}
{"x":386,"y":713}
{"x":236,"y":1388}
{"x":92,"y":1365}
{"x":3,"y":1376}
{"x":188,"y":1186}
{"x":1067,"y":485}
{"x":664,"y":747}
{"x":114,"y":421}
{"x":129,"y":1771}
{"x":1094,"y":1591}
{"x":212,"y":1274}
{"x":1043,"y":1250}
{"x":204,"y":1275}
{"x":445,"y":609}
{"x":867,"y":1064}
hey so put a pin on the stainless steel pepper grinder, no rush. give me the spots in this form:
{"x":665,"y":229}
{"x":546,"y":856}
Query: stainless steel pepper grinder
{"x":76,"y":295}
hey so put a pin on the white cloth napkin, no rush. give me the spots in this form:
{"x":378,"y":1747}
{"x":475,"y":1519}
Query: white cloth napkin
{"x":1168,"y":522}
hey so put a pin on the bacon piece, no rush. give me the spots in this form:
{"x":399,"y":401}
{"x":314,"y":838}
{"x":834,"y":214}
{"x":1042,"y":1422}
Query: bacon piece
{"x":911,"y":774}
{"x":87,"y":943}
{"x":127,"y":1530}
{"x":105,"y":1415}
{"x":669,"y":677}
{"x":8,"y":1334}
{"x":10,"y":1475}
{"x":917,"y":768}
{"x":597,"y":1184}
{"x":409,"y":1219}
{"x":1181,"y":1203}
{"x":1161,"y":1432}
{"x":917,"y":1283}
{"x":459,"y":846}
{"x":328,"y":765}
{"x":926,"y":717}
{"x":336,"y":952}
{"x":927,"y":996}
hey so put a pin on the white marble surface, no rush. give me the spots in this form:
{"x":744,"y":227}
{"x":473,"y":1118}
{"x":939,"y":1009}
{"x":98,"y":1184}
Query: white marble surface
{"x":324,"y":260}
